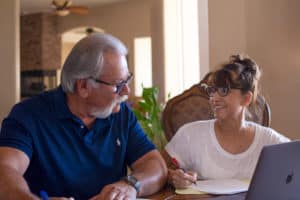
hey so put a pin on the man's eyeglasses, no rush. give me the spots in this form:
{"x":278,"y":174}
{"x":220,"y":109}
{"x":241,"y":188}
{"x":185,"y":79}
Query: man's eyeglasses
{"x":222,"y":91}
{"x":119,"y":86}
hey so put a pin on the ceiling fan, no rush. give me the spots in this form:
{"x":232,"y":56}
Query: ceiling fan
{"x":64,"y":7}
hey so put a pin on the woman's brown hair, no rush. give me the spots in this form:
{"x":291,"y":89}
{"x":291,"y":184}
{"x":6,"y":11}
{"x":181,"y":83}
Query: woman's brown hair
{"x":240,"y":72}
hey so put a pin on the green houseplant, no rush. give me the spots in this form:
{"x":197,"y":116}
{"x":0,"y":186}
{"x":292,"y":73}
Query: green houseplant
{"x":148,"y":113}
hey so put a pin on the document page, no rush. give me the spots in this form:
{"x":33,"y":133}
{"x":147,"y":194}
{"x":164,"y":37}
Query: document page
{"x":221,"y":186}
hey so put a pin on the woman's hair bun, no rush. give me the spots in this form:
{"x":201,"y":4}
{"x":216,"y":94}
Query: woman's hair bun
{"x":248,"y":64}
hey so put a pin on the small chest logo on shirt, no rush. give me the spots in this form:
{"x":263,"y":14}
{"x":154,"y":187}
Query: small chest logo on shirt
{"x":118,"y":142}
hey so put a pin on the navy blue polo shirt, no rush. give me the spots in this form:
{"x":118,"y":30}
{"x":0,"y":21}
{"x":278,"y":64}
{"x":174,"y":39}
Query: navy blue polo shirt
{"x":67,"y":158}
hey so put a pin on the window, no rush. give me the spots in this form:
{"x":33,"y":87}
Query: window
{"x":142,"y":63}
{"x":181,"y":45}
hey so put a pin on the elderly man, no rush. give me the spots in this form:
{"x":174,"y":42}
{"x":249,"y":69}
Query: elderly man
{"x":77,"y":140}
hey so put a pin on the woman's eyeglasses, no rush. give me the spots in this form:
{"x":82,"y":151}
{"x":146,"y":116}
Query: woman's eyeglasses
{"x":222,"y":91}
{"x":119,"y":86}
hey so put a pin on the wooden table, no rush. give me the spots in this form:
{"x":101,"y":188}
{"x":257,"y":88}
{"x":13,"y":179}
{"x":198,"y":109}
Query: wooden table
{"x":168,"y":193}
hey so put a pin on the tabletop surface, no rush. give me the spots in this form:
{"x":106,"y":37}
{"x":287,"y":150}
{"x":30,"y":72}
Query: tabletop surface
{"x":168,"y":193}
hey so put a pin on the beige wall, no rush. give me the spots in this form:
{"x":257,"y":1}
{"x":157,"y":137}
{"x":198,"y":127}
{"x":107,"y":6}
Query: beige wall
{"x":203,"y":37}
{"x":158,"y":50}
{"x":9,"y":55}
{"x":227,"y":29}
{"x":269,"y":32}
{"x":273,"y":39}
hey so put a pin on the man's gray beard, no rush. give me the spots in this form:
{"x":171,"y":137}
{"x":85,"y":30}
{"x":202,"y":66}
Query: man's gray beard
{"x":105,"y":112}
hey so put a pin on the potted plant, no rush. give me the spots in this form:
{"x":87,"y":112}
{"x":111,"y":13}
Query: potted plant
{"x":148,"y":113}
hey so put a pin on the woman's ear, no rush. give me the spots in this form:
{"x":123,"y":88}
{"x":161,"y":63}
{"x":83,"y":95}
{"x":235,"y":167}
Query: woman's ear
{"x":81,"y":87}
{"x":248,"y":97}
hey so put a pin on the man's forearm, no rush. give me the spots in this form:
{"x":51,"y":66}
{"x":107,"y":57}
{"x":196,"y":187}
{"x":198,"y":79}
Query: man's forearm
{"x":152,"y":174}
{"x":13,"y":186}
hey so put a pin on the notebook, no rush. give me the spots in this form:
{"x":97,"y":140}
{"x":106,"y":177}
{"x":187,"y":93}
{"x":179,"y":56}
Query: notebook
{"x":221,"y":186}
{"x":277,"y":173}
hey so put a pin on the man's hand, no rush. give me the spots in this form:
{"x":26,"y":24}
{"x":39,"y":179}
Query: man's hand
{"x":117,"y":191}
{"x":181,"y":179}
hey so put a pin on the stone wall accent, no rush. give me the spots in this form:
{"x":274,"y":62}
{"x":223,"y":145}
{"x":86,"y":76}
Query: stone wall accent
{"x":40,"y":42}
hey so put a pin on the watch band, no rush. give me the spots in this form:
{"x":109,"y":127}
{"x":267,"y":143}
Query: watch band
{"x":133,"y":181}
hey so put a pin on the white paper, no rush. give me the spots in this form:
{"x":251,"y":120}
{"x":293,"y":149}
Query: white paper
{"x":221,"y":186}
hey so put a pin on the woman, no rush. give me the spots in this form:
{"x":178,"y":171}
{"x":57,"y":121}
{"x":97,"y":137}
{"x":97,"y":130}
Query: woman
{"x":229,"y":145}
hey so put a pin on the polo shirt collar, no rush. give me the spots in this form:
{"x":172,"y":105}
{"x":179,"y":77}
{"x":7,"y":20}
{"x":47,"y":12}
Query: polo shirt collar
{"x":60,"y":101}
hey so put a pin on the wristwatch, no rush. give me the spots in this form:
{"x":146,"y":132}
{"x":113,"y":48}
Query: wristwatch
{"x":134,"y":182}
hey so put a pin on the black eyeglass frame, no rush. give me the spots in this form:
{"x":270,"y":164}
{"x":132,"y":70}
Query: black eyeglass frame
{"x":210,"y":90}
{"x":119,"y":86}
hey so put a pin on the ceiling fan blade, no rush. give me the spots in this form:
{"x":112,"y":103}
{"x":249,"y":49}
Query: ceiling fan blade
{"x":61,"y":4}
{"x":82,"y":10}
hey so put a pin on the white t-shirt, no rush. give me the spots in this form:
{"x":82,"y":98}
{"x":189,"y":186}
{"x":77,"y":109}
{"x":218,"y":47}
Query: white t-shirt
{"x":196,"y":148}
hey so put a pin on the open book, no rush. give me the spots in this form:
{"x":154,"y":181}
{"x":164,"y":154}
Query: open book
{"x":218,"y":186}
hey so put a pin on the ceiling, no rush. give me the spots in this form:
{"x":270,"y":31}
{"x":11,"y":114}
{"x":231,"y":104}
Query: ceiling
{"x":33,"y":6}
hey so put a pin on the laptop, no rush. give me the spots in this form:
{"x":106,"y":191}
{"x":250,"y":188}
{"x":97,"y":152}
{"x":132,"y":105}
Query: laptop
{"x":277,"y":173}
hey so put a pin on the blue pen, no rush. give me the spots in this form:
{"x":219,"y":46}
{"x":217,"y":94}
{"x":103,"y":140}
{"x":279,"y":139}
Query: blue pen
{"x":44,"y":195}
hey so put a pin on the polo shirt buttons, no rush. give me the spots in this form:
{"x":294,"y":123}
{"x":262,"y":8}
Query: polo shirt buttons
{"x":81,"y":126}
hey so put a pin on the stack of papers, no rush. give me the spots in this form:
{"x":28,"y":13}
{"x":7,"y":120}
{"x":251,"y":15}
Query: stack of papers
{"x":221,"y":186}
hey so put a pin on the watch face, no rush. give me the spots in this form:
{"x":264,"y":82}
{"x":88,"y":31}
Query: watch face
{"x":131,"y":180}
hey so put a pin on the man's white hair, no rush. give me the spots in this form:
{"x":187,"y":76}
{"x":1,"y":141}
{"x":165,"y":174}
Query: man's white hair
{"x":86,"y":58}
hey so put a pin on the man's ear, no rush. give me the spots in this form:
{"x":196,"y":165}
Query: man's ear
{"x":248,"y":98}
{"x":81,"y":88}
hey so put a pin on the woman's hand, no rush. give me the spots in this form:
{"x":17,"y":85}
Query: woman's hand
{"x":181,"y":179}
